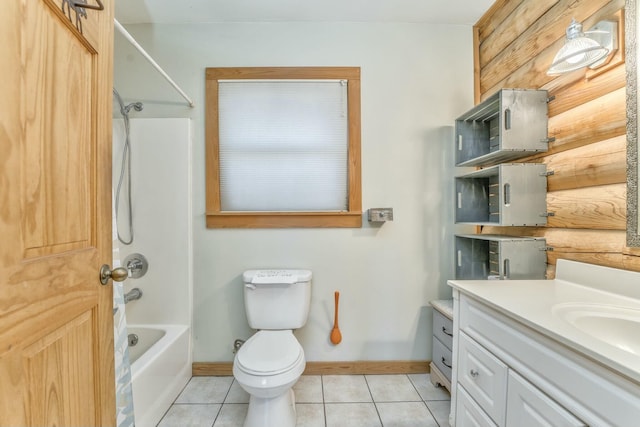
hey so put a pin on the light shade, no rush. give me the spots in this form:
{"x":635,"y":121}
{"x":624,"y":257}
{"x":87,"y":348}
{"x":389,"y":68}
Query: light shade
{"x":578,"y":52}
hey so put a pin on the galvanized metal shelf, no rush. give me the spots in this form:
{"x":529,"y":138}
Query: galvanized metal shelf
{"x":510,"y":124}
{"x":491,"y":256}
{"x":512,"y":194}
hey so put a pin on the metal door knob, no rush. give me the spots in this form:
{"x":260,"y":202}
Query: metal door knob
{"x":118,"y":274}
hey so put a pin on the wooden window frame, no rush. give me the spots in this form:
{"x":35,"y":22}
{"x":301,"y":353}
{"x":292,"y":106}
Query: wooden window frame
{"x":216,"y":218}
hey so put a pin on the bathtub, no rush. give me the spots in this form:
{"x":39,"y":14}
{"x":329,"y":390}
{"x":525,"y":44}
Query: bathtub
{"x":160,"y":368}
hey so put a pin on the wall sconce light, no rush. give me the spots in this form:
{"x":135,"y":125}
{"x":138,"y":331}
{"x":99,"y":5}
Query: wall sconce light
{"x":590,"y":49}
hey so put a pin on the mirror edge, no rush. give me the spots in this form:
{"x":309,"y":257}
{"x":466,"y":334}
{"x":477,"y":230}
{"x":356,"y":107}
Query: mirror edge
{"x":631,"y":60}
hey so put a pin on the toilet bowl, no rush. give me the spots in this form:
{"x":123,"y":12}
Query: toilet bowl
{"x":271,"y":361}
{"x":267,"y":366}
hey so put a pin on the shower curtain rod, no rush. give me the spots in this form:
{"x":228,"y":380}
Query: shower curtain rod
{"x":140,"y":49}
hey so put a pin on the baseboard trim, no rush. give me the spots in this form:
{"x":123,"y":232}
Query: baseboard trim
{"x":205,"y":369}
{"x":359,"y":367}
{"x":366,"y":367}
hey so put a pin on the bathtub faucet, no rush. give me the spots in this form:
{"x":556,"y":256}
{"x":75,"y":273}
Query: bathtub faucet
{"x":132,"y":295}
{"x":137,"y":265}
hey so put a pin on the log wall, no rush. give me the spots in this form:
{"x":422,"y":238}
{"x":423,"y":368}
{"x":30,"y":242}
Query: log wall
{"x":515,"y":42}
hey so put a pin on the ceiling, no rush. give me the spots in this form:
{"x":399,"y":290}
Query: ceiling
{"x":462,"y":12}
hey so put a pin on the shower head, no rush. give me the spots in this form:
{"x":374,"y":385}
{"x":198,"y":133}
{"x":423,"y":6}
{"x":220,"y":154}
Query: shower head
{"x":124,"y":110}
{"x":138,"y":106}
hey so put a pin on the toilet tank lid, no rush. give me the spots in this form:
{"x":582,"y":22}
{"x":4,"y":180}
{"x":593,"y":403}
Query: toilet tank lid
{"x":276,"y":276}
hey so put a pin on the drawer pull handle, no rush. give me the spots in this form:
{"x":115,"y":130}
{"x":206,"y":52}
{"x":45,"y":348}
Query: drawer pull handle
{"x":474,"y":373}
{"x":444,"y":362}
{"x":507,"y":194}
{"x":507,"y":119}
{"x":444,"y":331}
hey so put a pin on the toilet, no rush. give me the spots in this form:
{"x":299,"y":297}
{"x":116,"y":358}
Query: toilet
{"x":271,"y":361}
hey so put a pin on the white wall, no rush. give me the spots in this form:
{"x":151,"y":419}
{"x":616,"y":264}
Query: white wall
{"x":161,"y":199}
{"x":416,"y":79}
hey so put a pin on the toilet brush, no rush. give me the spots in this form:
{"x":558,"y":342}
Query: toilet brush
{"x":336,"y":336}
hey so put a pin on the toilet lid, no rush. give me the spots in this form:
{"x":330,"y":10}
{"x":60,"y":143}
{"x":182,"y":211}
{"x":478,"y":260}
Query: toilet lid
{"x":269,"y":353}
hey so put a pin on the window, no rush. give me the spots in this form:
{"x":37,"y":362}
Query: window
{"x":283,"y":147}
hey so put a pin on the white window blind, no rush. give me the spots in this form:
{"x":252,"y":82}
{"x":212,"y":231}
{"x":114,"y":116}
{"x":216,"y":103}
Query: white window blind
{"x":283,"y":145}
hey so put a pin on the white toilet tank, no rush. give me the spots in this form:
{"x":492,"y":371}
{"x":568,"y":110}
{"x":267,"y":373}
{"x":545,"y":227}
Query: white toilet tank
{"x":277,"y":299}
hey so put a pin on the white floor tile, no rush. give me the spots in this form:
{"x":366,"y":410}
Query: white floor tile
{"x":345,"y":388}
{"x":237,"y":394}
{"x":310,"y":415}
{"x":308,"y":389}
{"x":392,"y":388}
{"x":440,"y":410}
{"x":428,"y":391}
{"x":348,"y":402}
{"x":188,"y":415}
{"x":352,"y":415}
{"x":205,"y":390}
{"x":231,"y":415}
{"x":405,"y":414}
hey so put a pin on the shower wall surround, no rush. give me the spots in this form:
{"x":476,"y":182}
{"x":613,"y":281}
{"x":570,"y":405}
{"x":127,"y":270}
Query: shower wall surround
{"x":160,"y":150}
{"x":161,"y":197}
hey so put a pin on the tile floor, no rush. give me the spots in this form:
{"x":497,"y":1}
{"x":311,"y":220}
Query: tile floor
{"x":321,"y":401}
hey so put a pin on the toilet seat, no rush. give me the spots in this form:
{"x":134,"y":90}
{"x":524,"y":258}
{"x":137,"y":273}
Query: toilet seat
{"x":269,"y":353}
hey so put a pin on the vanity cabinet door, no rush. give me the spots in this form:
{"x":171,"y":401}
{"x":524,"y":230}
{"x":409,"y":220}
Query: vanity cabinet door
{"x":468,"y":413}
{"x":484,"y":376}
{"x":529,"y":407}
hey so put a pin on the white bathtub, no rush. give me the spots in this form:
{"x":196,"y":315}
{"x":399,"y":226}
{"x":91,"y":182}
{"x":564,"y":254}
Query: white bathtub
{"x":160,"y":372}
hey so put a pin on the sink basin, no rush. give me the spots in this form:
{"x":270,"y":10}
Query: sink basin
{"x":616,"y":326}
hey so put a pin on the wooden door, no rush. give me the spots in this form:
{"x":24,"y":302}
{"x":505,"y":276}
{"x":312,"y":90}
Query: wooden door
{"x":56,"y":320}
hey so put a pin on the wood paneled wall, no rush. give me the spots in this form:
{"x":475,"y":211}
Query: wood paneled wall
{"x":515,"y":42}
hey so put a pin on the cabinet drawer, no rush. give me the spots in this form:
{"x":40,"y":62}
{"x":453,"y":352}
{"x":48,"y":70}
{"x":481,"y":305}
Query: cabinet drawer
{"x":529,"y":407}
{"x":484,"y":377}
{"x":468,"y":413}
{"x":442,"y":358}
{"x":443,"y":329}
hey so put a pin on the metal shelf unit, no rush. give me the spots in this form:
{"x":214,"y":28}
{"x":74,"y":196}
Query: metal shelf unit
{"x":510,"y":124}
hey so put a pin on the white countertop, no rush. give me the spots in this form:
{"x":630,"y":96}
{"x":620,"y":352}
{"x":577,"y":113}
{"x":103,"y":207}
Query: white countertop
{"x":532,"y":302}
{"x":444,"y":306}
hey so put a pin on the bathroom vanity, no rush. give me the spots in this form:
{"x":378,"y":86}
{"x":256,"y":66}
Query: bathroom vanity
{"x":562,"y":352}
